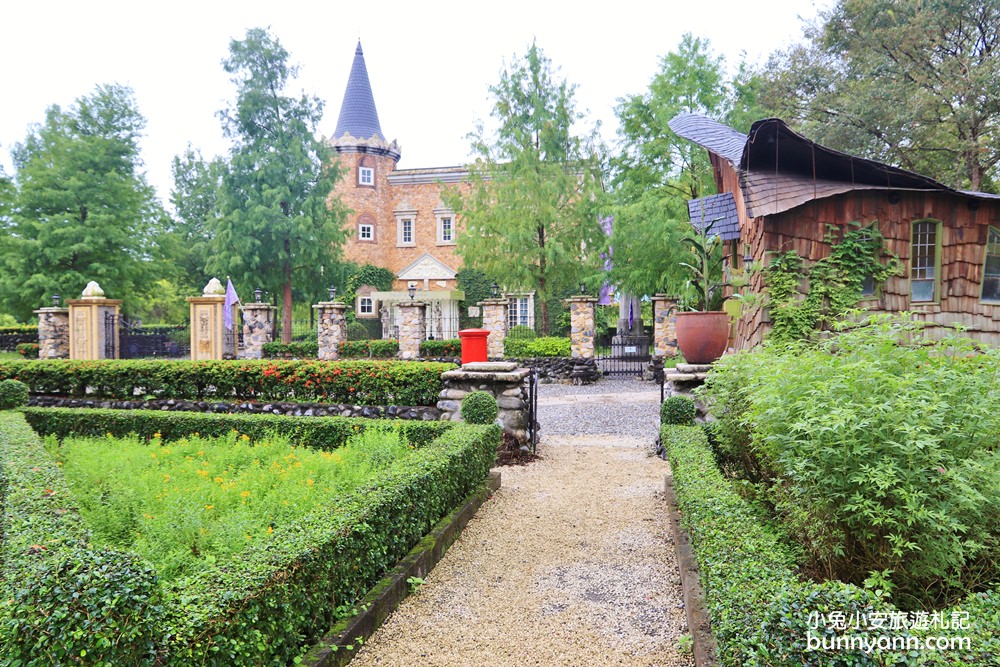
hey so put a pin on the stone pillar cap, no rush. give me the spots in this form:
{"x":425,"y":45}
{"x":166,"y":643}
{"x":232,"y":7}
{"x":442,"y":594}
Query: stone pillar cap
{"x":92,"y":291}
{"x":330,"y":304}
{"x":51,"y":309}
{"x":213,"y":288}
{"x":407,"y":304}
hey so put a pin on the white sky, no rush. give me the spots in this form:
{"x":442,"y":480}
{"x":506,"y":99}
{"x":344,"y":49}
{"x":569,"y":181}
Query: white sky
{"x":430,"y":63}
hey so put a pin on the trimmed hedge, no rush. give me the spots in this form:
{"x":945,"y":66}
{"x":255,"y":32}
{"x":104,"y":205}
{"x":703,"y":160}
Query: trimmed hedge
{"x":11,"y":337}
{"x":325,"y":433}
{"x":259,"y":608}
{"x":435,"y":349}
{"x":60,"y":602}
{"x":290,"y":350}
{"x":760,"y":608}
{"x":350,"y":382}
{"x":678,"y":410}
{"x":544,"y":346}
{"x":28,"y":350}
{"x":374,"y":349}
{"x":13,"y":394}
{"x":480,"y":407}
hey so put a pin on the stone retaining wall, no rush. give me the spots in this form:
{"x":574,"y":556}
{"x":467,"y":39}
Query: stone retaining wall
{"x":503,"y":380}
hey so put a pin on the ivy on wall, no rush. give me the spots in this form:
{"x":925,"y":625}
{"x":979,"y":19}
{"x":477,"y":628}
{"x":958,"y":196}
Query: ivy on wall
{"x":833,"y":285}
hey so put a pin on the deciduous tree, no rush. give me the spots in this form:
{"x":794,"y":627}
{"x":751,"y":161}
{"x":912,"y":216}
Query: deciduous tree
{"x":531,"y":215}
{"x":276,"y":225}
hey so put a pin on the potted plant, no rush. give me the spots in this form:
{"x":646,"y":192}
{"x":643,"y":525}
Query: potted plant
{"x":703,"y":333}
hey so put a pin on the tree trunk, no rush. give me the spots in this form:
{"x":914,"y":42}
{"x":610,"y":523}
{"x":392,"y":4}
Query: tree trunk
{"x":286,"y":299}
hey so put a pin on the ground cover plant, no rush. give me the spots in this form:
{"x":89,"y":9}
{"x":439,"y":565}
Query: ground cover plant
{"x":878,"y":450}
{"x":200,"y":499}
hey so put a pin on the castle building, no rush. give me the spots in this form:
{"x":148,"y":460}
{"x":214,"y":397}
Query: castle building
{"x":398,"y":220}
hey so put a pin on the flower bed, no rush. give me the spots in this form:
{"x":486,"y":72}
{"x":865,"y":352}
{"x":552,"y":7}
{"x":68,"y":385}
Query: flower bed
{"x":261,"y":607}
{"x":353,"y":382}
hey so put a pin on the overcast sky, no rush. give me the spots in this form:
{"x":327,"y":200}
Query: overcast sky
{"x":430,"y":63}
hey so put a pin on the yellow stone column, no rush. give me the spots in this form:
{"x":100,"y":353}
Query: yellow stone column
{"x":93,"y":325}
{"x":209,"y":337}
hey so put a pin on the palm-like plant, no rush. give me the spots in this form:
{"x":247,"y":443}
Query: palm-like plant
{"x":705,"y":269}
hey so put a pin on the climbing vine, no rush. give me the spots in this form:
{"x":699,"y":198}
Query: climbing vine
{"x":835,"y":282}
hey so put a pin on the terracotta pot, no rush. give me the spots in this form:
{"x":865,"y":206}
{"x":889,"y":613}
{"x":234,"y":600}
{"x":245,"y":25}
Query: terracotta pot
{"x":702,"y":337}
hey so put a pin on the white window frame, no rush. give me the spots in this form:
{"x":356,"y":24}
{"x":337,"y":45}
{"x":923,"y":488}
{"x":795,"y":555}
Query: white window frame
{"x":520,"y":310}
{"x":363,"y":302}
{"x":366,"y":226}
{"x":366,"y":171}
{"x":402,"y":222}
{"x":443,"y":216}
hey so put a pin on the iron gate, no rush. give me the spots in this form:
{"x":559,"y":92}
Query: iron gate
{"x":623,"y":355}
{"x":533,"y":409}
{"x":125,"y":340}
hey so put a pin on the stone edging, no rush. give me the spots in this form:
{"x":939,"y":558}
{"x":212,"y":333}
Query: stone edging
{"x":699,"y":625}
{"x":338,"y":647}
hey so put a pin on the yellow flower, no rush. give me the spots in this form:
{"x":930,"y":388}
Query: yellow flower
{"x":270,"y":530}
{"x":209,"y":507}
{"x":218,"y":480}
{"x":244,"y":436}
{"x":309,"y":482}
{"x":157,"y":435}
{"x":244,"y":494}
{"x":166,"y":477}
{"x":153,"y":454}
{"x":203,"y":473}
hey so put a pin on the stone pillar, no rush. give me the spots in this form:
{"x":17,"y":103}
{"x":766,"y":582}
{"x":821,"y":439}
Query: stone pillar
{"x":93,"y":325}
{"x":53,"y":333}
{"x":331,"y":324}
{"x":209,"y":337}
{"x":412,"y":317}
{"x":495,"y":321}
{"x":583,"y":329}
{"x":504,"y":380}
{"x":258,"y":328}
{"x":664,"y":326}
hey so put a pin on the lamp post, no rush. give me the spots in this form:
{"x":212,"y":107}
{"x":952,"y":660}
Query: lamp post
{"x":258,"y":294}
{"x":495,"y":289}
{"x":55,"y":300}
{"x":411,"y":290}
{"x":583,"y":289}
{"x":332,"y":291}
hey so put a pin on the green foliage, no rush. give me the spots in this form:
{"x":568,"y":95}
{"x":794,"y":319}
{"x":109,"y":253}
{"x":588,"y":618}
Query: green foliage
{"x":522,"y":332}
{"x":705,"y":272}
{"x":437,"y":349}
{"x":357,"y":331}
{"x":678,"y":411}
{"x":275,"y":224}
{"x":28,"y":350}
{"x":910,"y":84}
{"x":834,"y":282}
{"x":13,"y":394}
{"x":351,"y":382}
{"x":373,"y":349}
{"x":544,"y":346}
{"x":14,"y":335}
{"x":374,"y":276}
{"x":200,"y":500}
{"x":290,"y":350}
{"x":477,"y":287}
{"x":187,"y":243}
{"x":325,"y":433}
{"x":479,"y":407}
{"x":878,"y":450}
{"x":82,"y":209}
{"x":530,"y":213}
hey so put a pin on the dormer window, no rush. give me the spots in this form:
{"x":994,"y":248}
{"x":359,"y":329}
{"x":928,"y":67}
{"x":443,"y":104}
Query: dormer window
{"x":366,"y":176}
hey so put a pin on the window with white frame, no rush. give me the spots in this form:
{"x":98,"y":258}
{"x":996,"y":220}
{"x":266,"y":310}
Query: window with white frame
{"x":366,"y":176}
{"x":925,"y":258}
{"x":521,"y":311}
{"x":405,"y":235}
{"x":366,"y":231}
{"x":445,"y":229}
{"x":366,"y":306}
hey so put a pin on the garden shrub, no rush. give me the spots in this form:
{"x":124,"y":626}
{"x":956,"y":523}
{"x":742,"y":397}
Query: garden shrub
{"x":28,"y":350}
{"x":678,"y":410}
{"x":451,"y":347}
{"x":12,"y":336}
{"x":522,"y":332}
{"x":13,"y":394}
{"x":479,"y":407}
{"x":357,"y":331}
{"x":325,"y":433}
{"x":350,"y":382}
{"x":544,"y":346}
{"x":308,"y":350}
{"x":377,"y":348}
{"x":878,"y":449}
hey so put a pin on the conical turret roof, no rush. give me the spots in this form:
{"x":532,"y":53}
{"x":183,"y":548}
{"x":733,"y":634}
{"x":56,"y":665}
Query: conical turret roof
{"x":358,"y":116}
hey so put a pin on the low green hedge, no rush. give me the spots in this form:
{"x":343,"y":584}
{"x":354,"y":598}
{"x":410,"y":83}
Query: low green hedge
{"x":11,"y":337}
{"x":325,"y":433}
{"x":760,"y":609}
{"x":435,"y":349}
{"x":544,"y":346}
{"x":61,"y":602}
{"x":350,"y":382}
{"x":28,"y":350}
{"x":290,"y":350}
{"x":364,"y":349}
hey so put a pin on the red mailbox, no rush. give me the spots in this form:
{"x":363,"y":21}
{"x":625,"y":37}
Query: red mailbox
{"x":473,"y":345}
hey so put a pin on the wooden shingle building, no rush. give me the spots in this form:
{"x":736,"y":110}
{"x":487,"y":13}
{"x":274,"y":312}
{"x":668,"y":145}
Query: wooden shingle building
{"x":779,"y":191}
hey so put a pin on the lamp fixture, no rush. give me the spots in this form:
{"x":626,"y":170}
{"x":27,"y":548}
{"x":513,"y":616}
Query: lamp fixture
{"x":411,"y":290}
{"x":583,"y":289}
{"x":332,"y":291}
{"x":495,"y":289}
{"x":55,"y":300}
{"x":258,"y":294}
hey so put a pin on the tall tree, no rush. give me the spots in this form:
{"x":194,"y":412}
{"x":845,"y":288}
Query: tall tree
{"x":908,"y":83}
{"x":195,"y":199}
{"x":82,"y":209}
{"x":656,"y":172}
{"x":275,"y":223}
{"x":530,"y":217}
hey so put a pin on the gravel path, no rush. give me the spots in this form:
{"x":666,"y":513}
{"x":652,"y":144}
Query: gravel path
{"x":571,"y":563}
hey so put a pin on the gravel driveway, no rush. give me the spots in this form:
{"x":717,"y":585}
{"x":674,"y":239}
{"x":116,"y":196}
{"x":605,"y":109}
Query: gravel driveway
{"x":571,"y":563}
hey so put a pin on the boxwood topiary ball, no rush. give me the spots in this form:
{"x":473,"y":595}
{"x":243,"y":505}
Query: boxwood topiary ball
{"x":678,"y":410}
{"x":479,"y":408}
{"x":13,"y":394}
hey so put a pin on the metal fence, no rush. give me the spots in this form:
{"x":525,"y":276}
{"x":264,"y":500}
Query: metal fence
{"x":124,"y":339}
